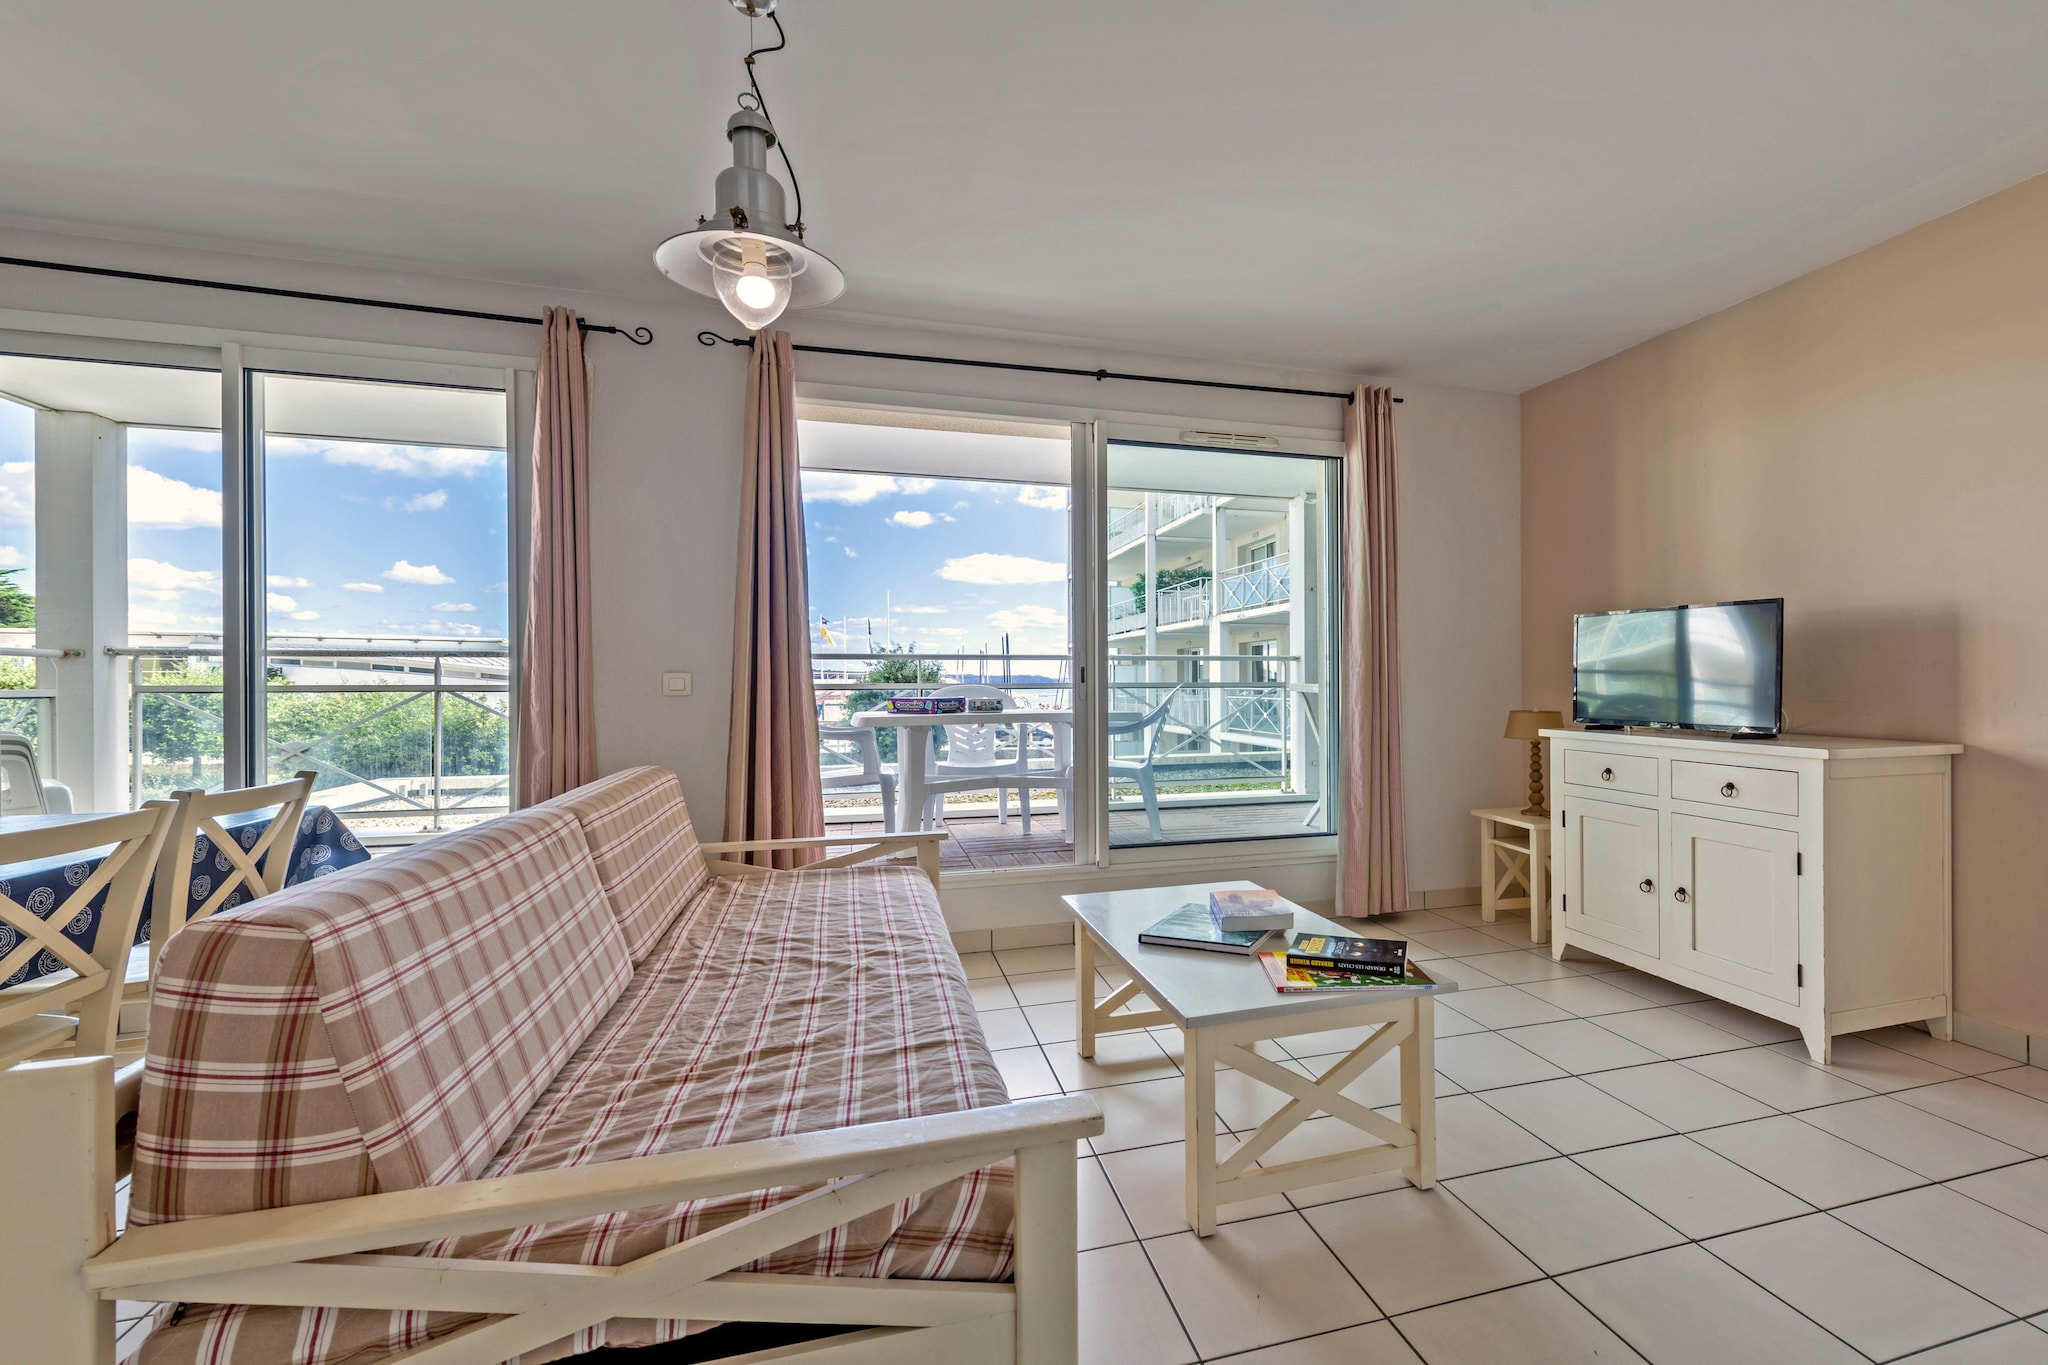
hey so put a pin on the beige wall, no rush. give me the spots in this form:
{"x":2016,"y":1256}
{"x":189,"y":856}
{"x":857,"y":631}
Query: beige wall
{"x":1869,"y":442}
{"x":665,"y":489}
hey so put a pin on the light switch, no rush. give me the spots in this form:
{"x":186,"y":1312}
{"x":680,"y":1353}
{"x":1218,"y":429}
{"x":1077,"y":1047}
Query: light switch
{"x":675,"y":684}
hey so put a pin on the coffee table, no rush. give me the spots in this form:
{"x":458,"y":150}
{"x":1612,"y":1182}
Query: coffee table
{"x":1224,"y":1004}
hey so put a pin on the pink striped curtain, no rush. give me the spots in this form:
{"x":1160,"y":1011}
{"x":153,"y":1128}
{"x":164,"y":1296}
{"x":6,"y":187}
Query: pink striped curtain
{"x":1373,"y":877}
{"x":771,"y":764}
{"x":557,"y":735}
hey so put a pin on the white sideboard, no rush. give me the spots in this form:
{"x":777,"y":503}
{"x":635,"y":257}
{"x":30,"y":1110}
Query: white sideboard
{"x":1805,"y":878}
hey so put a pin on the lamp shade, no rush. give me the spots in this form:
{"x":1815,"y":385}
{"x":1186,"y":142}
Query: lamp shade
{"x":1531,"y":724}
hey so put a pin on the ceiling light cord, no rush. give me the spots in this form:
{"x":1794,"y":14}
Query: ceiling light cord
{"x":781,"y":42}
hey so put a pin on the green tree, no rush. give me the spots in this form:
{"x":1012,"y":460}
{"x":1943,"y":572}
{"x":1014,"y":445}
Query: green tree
{"x":181,"y":727}
{"x":900,"y":671}
{"x":17,"y":604}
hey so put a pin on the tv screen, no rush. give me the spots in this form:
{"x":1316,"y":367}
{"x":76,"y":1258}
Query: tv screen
{"x":1687,"y":668}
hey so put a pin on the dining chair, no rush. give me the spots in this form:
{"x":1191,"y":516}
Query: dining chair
{"x":78,"y":1003}
{"x":974,"y":762}
{"x":866,"y":771}
{"x":22,"y":788}
{"x":1139,"y":770}
{"x":236,"y":873}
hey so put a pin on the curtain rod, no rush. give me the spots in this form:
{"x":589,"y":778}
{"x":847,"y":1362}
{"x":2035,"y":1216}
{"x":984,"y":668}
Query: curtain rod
{"x":713,"y":338}
{"x":639,"y":336}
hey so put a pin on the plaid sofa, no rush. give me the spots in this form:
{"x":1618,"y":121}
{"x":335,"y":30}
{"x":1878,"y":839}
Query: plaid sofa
{"x":565,"y":985}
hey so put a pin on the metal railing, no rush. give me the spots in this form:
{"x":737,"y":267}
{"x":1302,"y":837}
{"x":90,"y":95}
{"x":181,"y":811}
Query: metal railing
{"x":31,"y":712}
{"x":1265,"y":584}
{"x":1126,"y":524}
{"x":1187,"y":602}
{"x":410,"y":737}
{"x":1233,"y":727}
{"x":1171,"y":507}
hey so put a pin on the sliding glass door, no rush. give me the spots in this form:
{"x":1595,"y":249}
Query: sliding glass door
{"x":1217,"y":574}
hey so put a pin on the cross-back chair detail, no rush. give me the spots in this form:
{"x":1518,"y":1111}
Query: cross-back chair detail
{"x":32,"y":1017}
{"x":255,"y":871}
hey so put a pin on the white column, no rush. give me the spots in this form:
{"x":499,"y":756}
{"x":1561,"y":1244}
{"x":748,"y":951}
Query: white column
{"x":1212,"y":698}
{"x":82,"y":597}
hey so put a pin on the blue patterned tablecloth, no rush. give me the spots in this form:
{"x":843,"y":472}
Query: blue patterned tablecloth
{"x":323,"y":847}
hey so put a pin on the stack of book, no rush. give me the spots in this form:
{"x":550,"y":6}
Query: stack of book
{"x":1328,"y":962}
{"x":1232,"y":922}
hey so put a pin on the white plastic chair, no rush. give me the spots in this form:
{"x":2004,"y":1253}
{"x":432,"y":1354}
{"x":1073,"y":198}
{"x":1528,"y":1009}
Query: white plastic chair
{"x":1139,"y":770}
{"x":22,"y":789}
{"x":974,"y":762}
{"x":867,"y":772}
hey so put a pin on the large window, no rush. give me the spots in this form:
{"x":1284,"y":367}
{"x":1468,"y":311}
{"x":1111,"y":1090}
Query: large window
{"x":326,"y":590}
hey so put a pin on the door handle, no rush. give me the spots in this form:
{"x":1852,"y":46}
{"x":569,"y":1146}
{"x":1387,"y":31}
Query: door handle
{"x":1727,"y":789}
{"x":1679,"y":895}
{"x":1607,"y":774}
{"x":1647,"y":885}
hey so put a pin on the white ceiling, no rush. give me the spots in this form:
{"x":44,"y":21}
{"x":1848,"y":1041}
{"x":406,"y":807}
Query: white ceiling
{"x":1488,"y":192}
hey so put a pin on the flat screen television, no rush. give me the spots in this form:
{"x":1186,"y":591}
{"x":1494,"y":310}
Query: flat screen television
{"x":1718,"y":667}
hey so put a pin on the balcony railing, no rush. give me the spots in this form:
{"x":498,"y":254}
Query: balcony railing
{"x":1265,"y":584}
{"x":31,"y":710}
{"x":1171,"y":507}
{"x":1126,"y":524}
{"x":407,"y":736}
{"x":1180,"y":605}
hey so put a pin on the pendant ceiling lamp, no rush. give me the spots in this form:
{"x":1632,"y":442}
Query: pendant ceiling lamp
{"x":747,"y":253}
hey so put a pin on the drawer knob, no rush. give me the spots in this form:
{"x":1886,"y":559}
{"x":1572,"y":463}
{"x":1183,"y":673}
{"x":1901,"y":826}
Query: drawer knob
{"x":1727,"y":789}
{"x":1679,"y":895}
{"x":1647,"y":885}
{"x":1607,"y":774}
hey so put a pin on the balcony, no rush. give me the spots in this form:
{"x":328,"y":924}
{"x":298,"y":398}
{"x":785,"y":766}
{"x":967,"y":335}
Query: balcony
{"x":1269,"y":583}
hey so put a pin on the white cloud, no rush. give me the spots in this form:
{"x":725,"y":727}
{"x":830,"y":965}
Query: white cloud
{"x":425,"y":502}
{"x":151,"y":616}
{"x":948,"y":631}
{"x":919,"y":519}
{"x":454,"y":606}
{"x":163,"y":503}
{"x":154,"y":578}
{"x":279,"y":602}
{"x":18,"y":492}
{"x":363,"y":587}
{"x":10,"y":557}
{"x":905,"y":609}
{"x":428,"y":574}
{"x":454,"y":628}
{"x":278,"y":580}
{"x":1003,"y":569}
{"x":416,"y":462}
{"x":851,"y":553}
{"x":1028,"y":617}
{"x":498,"y":587}
{"x":830,"y":485}
{"x":1039,"y":495}
{"x":303,"y":615}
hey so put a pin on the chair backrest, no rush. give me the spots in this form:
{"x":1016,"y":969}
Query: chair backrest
{"x":867,"y":752}
{"x":23,"y":791}
{"x":92,"y":985}
{"x":237,"y":873}
{"x":1150,"y":725}
{"x":967,"y":742}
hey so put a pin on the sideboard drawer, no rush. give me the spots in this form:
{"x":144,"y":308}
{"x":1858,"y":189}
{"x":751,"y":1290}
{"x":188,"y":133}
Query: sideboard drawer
{"x":1725,"y":784}
{"x":1614,"y":772}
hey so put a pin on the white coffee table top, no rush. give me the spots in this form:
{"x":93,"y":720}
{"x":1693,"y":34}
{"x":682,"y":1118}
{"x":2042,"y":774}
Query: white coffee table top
{"x":1199,"y":989}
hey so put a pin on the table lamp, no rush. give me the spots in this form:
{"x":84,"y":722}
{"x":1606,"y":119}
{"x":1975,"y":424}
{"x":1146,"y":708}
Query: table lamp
{"x":1530,"y":725}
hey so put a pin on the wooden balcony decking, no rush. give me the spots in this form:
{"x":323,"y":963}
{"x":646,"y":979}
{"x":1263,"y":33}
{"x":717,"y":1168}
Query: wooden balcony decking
{"x":980,"y":844}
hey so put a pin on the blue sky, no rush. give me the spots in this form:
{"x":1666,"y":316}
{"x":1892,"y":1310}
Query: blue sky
{"x":949,"y":564}
{"x":363,"y":538}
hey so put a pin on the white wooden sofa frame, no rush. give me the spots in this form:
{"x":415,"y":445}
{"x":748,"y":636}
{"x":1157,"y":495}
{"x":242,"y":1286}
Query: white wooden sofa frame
{"x":62,"y":1267}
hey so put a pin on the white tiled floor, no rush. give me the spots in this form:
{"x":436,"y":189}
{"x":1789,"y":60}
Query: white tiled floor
{"x":1629,"y":1172}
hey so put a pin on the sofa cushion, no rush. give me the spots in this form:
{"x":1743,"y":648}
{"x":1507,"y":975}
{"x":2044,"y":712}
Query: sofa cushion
{"x":784,"y":1003}
{"x":645,"y":849}
{"x":378,"y":1030}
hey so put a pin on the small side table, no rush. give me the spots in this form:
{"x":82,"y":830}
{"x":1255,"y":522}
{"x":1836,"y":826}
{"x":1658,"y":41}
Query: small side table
{"x":1514,"y":867}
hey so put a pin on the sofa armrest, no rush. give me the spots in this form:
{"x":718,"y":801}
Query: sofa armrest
{"x":861,"y":848}
{"x":267,"y":1237}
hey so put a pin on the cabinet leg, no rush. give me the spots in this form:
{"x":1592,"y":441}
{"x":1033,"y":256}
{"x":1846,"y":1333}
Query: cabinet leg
{"x":1943,"y":1027}
{"x":1819,"y":1045}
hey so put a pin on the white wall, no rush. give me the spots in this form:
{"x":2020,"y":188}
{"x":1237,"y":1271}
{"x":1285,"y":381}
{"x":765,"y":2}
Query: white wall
{"x":665,"y":487}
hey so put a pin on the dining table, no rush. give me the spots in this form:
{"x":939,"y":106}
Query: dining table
{"x":322,"y":847}
{"x":913,"y":747}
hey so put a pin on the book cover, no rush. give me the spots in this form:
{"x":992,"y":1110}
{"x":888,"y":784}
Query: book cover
{"x":1330,"y":952}
{"x":1292,"y":980}
{"x":1191,"y":927}
{"x":1257,"y":909}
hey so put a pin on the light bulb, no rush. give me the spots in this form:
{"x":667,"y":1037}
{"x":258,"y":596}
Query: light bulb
{"x":755,"y":288}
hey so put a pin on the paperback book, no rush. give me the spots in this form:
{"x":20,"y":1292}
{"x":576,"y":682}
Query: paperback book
{"x":1191,"y":926}
{"x":1291,"y":980}
{"x":1259,"y":909}
{"x":1359,"y":956}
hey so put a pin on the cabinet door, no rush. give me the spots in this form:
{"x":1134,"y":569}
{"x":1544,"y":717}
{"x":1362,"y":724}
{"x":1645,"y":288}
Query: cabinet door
{"x":1732,"y":908}
{"x":1610,"y":874}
